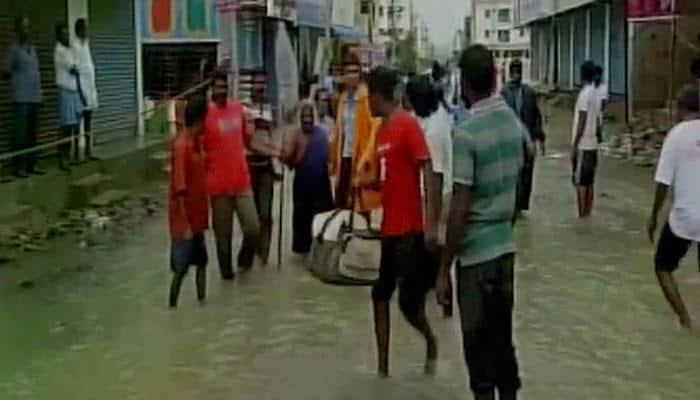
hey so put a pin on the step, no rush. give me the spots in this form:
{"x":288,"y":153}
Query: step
{"x":109,"y":197}
{"x":14,"y":213}
{"x":83,"y":190}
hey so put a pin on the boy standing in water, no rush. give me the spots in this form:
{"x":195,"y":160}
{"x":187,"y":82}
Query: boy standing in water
{"x":189,"y":207}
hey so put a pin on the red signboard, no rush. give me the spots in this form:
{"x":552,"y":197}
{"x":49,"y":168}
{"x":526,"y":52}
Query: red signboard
{"x":650,"y":8}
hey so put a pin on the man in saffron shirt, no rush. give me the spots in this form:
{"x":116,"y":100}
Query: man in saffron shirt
{"x":228,"y":179}
{"x":402,"y":157}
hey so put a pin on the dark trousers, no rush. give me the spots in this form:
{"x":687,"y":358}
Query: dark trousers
{"x":223,"y":209}
{"x":344,"y":184}
{"x":263,"y":181}
{"x":87,"y":125}
{"x":524,"y":189}
{"x":485,"y":295}
{"x":26,"y":126}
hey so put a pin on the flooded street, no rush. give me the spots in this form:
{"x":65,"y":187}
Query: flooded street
{"x":591,"y":322}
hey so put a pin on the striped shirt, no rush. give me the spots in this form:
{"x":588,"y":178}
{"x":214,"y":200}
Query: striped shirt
{"x":488,"y":154}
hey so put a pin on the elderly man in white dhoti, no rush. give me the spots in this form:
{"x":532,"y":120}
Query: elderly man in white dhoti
{"x":88,"y":89}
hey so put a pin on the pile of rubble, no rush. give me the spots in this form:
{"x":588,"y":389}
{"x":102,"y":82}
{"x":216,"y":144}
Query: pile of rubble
{"x":641,"y":144}
{"x":91,"y":226}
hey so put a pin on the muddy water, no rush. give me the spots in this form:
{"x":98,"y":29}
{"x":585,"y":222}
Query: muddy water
{"x":590,"y":320}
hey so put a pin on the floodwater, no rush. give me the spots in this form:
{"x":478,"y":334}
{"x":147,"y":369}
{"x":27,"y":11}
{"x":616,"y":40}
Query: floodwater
{"x":591,"y":322}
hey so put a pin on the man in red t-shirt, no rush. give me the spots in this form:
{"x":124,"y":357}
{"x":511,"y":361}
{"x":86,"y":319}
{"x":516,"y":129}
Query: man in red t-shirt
{"x":403,"y":157}
{"x":189,"y":208}
{"x":228,"y":180}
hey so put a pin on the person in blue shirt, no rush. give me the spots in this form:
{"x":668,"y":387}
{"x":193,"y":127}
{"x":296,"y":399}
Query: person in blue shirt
{"x":22,"y":69}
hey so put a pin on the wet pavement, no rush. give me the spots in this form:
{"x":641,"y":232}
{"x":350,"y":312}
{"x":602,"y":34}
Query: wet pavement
{"x":590,"y":320}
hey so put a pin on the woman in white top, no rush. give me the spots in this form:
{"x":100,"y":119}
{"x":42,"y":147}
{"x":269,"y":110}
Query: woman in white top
{"x":70,"y":103}
{"x":88,"y":89}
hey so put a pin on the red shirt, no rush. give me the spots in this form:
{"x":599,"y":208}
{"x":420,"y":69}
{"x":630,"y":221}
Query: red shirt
{"x":402,"y":151}
{"x":188,"y":179}
{"x":226,"y":131}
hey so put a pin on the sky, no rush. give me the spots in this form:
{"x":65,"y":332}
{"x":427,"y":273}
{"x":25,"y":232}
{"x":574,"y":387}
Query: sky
{"x":444,"y":18}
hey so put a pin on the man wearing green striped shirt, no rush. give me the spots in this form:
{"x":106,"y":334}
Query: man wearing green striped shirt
{"x":488,"y":155}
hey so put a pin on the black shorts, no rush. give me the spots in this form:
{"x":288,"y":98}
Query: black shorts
{"x":670,"y":250}
{"x":191,"y":252}
{"x":406,"y":262}
{"x":584,"y":167}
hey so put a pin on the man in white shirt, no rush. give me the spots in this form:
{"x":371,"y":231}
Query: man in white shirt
{"x":436,"y":122}
{"x":602,"y":89}
{"x":678,"y":168}
{"x":584,"y":150}
{"x":70,"y":102}
{"x":88,"y":89}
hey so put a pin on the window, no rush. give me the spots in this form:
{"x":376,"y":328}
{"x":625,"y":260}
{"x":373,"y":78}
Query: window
{"x":522,"y":32}
{"x":504,"y":15}
{"x":504,"y":35}
{"x":517,"y":53}
{"x":527,"y":53}
{"x":487,"y":13}
{"x":381,"y":11}
{"x":250,"y":44}
{"x":487,"y":34}
{"x":496,"y":54}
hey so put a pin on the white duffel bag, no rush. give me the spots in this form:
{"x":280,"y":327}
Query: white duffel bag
{"x":344,"y":250}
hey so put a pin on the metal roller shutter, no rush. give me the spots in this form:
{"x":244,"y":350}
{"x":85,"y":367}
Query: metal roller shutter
{"x":43,"y":36}
{"x":565,"y":54}
{"x":113,"y":45}
{"x":580,"y":41}
{"x":598,"y":34}
{"x":618,"y":59}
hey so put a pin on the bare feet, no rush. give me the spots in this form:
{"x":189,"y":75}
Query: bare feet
{"x":685,"y":321}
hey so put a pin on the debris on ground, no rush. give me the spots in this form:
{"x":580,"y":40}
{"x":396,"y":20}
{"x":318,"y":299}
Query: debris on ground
{"x":27,"y":284}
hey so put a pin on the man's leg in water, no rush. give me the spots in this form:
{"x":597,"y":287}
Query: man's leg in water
{"x":222,"y":217}
{"x":472,"y":297}
{"x":175,"y":286}
{"x":201,"y":283}
{"x":200,"y":259}
{"x":419,"y":278}
{"x":670,"y":251}
{"x":508,"y":380}
{"x":250,"y":226}
{"x":381,"y":295}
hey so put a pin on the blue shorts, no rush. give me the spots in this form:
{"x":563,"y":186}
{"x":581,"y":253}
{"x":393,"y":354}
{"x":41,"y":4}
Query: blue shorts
{"x":191,"y":252}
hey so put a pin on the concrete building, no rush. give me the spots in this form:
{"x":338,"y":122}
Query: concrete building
{"x":565,"y":33}
{"x":391,"y":14}
{"x":493,"y":24}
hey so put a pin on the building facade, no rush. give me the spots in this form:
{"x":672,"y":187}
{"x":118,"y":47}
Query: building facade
{"x":494,"y":25}
{"x":114,"y":49}
{"x":565,"y":33}
{"x":392,"y":19}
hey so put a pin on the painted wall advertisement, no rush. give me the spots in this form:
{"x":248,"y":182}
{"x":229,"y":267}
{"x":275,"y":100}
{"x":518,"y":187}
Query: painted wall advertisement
{"x":175,"y":20}
{"x":650,"y":8}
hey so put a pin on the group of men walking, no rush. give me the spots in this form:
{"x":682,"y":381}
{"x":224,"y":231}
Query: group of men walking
{"x":450,"y":187}
{"x":77,"y":93}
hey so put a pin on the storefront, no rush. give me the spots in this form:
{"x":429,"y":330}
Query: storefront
{"x":43,"y":37}
{"x":114,"y":51}
{"x":313,"y":19}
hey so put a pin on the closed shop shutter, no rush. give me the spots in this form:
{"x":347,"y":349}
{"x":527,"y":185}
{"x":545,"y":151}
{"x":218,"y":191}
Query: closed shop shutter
{"x":42,"y":34}
{"x":618,"y":84}
{"x":565,"y":54}
{"x":598,"y":34}
{"x":580,"y":42}
{"x":113,"y":45}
